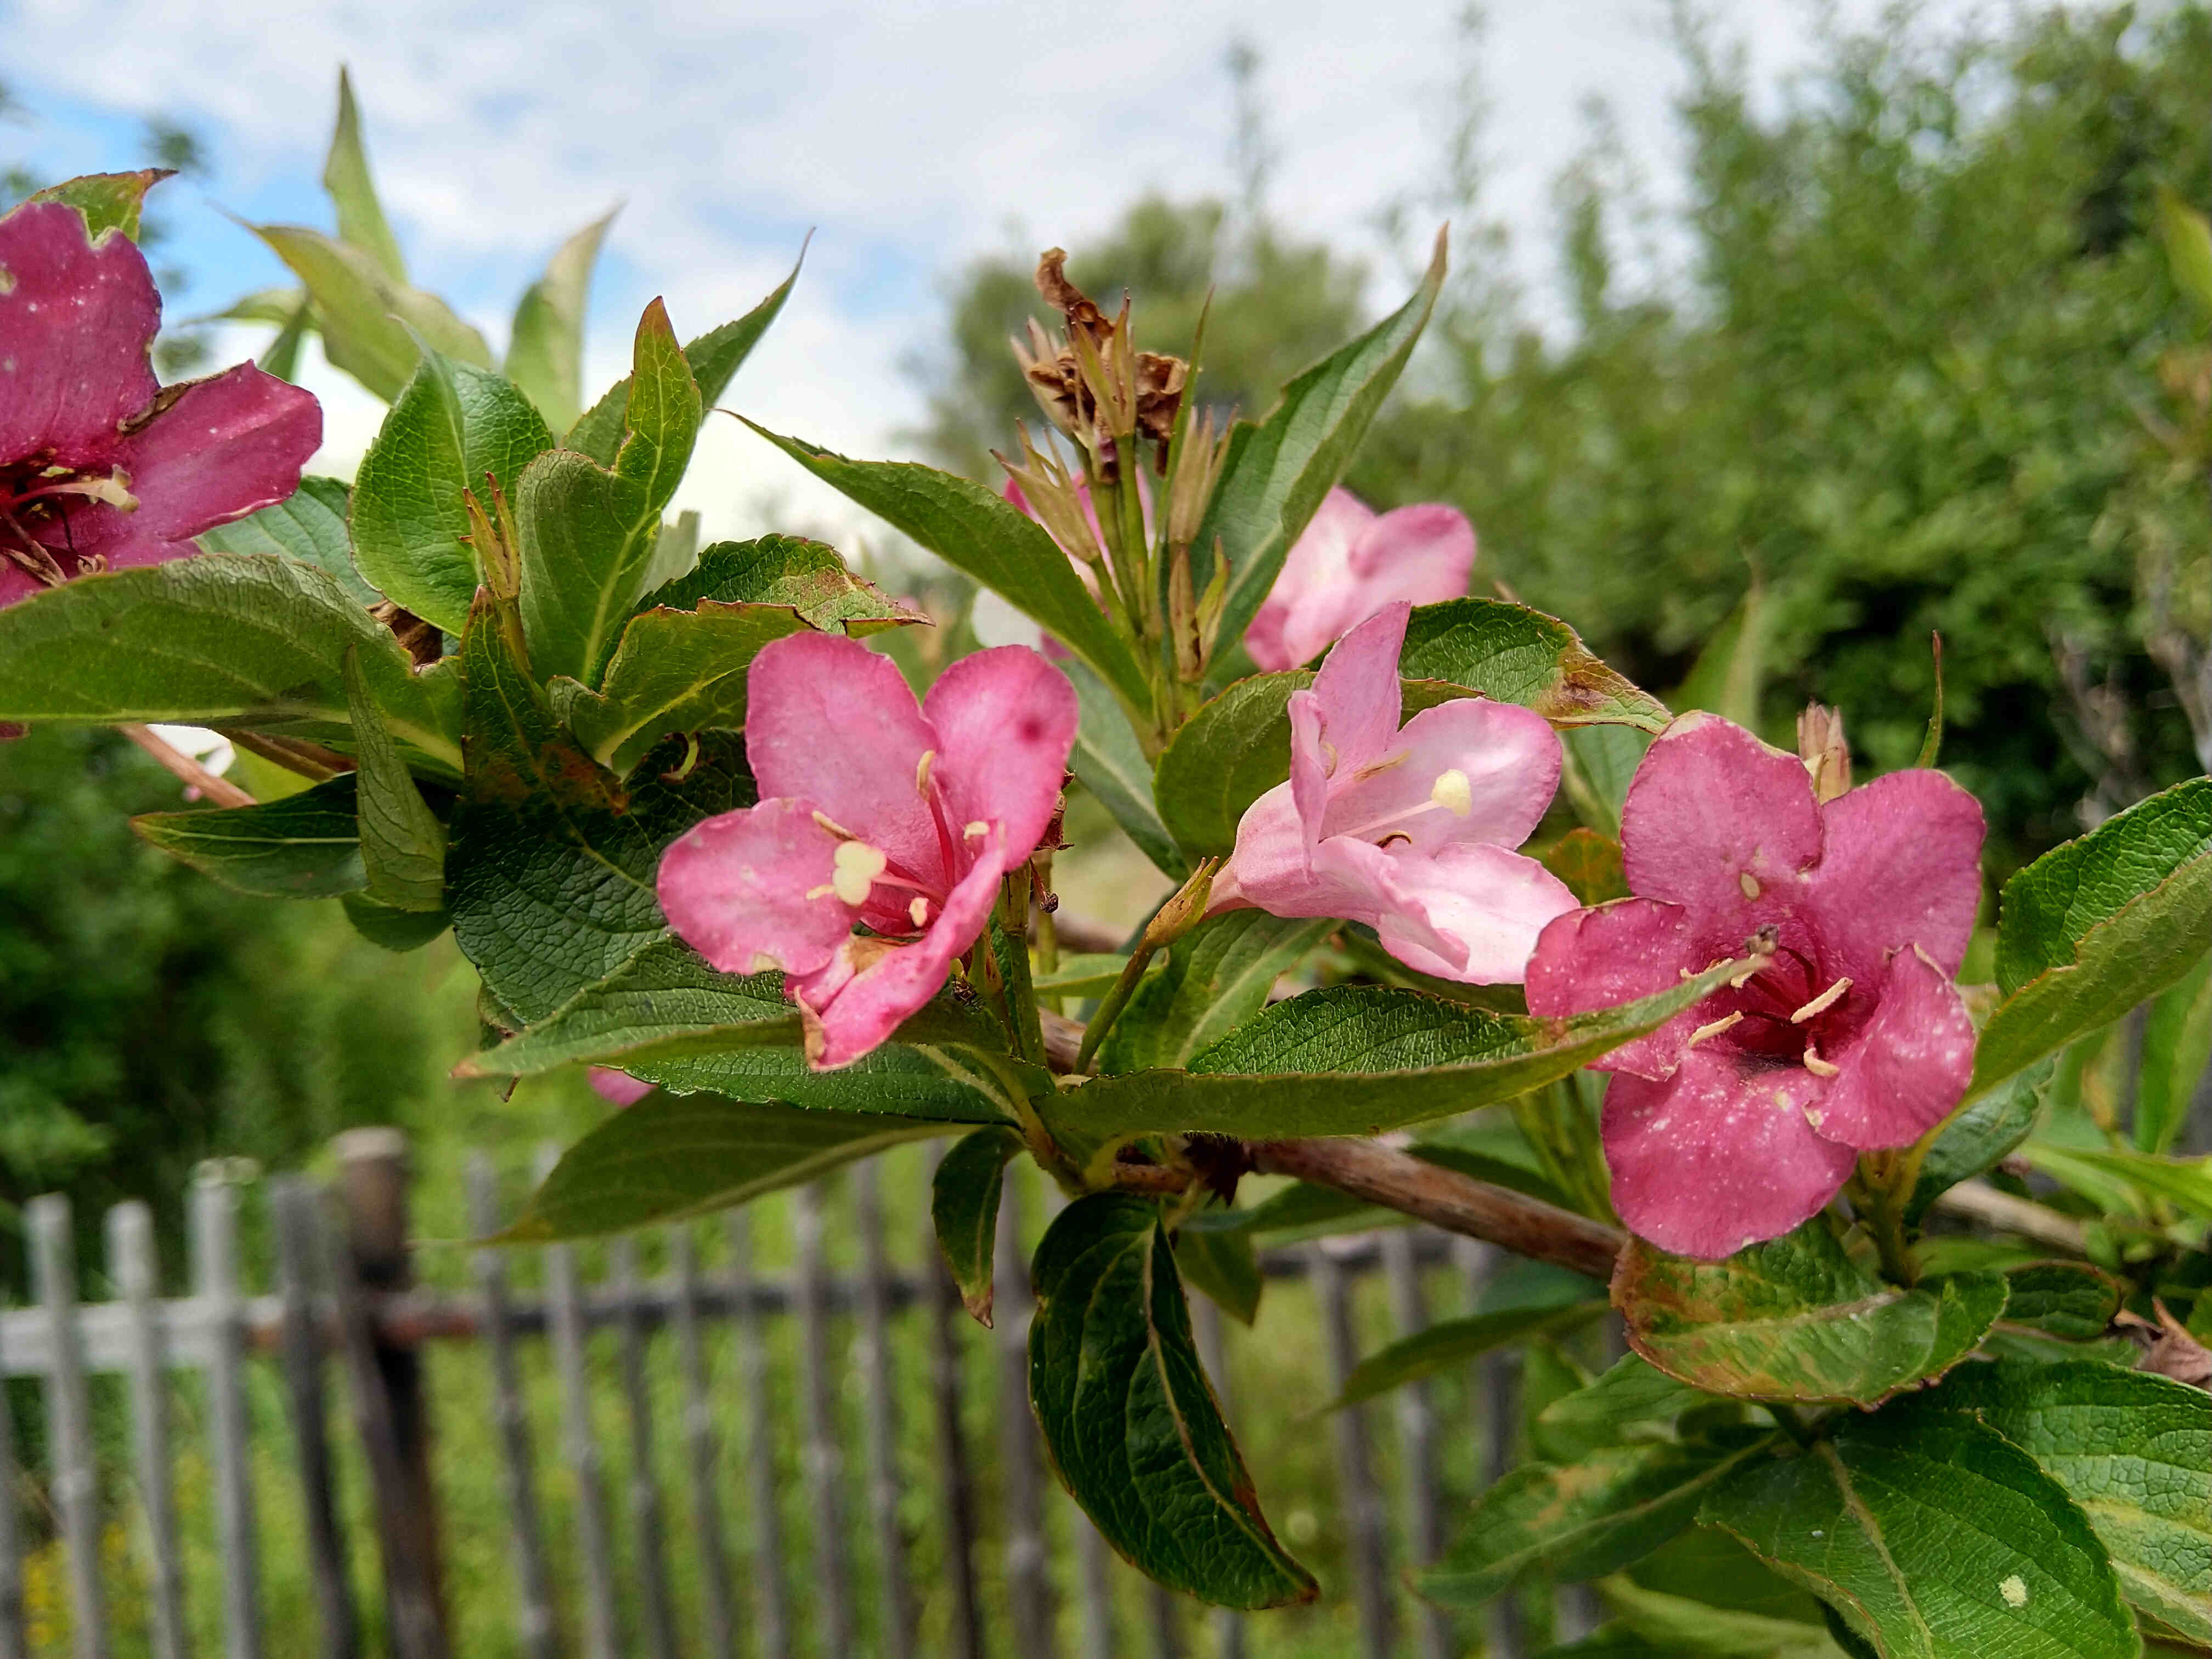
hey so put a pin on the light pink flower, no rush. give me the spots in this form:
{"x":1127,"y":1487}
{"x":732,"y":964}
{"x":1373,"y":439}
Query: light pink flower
{"x":101,"y":468}
{"x":874,"y":812}
{"x":1350,"y":563}
{"x":1409,"y":830}
{"x":1743,"y":1116}
{"x":618,"y":1088}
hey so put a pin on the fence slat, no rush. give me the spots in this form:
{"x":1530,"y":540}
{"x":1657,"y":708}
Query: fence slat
{"x":536,"y":1623}
{"x":133,"y":1265}
{"x":1228,"y":1624}
{"x":1417,"y":1439}
{"x":942,"y":1309}
{"x":1355,"y":1473}
{"x":647,"y":1526}
{"x":1094,"y":1588}
{"x":579,"y":1446}
{"x":14,"y":1638}
{"x":1021,"y":1477}
{"x":1497,"y":1389}
{"x":215,"y":1281}
{"x":75,"y":1482}
{"x":702,"y":1451}
{"x":771,"y":1613}
{"x":295,"y":1209}
{"x":895,"y":1639}
{"x":825,"y":1463}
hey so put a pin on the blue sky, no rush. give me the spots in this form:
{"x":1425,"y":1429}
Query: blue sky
{"x":908,"y":138}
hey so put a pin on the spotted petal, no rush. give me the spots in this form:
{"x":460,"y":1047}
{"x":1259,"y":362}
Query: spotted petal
{"x":757,"y":889}
{"x":77,"y":318}
{"x":1908,"y":1066}
{"x":1005,"y":720}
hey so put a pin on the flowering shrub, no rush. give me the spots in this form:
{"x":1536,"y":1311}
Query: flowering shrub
{"x":696,"y":833}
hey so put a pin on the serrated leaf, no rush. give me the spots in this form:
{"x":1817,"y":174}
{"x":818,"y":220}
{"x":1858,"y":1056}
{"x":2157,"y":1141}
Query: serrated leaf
{"x":1796,"y":1318}
{"x":1450,"y":1343}
{"x":1932,"y":1539}
{"x":982,"y":535}
{"x":108,"y":201}
{"x":545,"y":350}
{"x":225,"y":639}
{"x":1110,"y":762}
{"x":370,"y":321}
{"x":1234,"y":749}
{"x":1129,"y":1419}
{"x":2133,"y":1449}
{"x":964,"y":1208}
{"x":587,"y":532}
{"x":1217,"y":977}
{"x":352,"y":190}
{"x":1277,"y":472}
{"x":303,"y":846}
{"x":1620,"y":1407}
{"x":1225,"y":1268}
{"x":670,"y":1156}
{"x":1979,"y":1132}
{"x":403,"y":845}
{"x":1359,"y":1060}
{"x":1579,"y":1522}
{"x":1681,"y":1628}
{"x":310,"y":526}
{"x":1514,"y":654}
{"x":2071,"y":1300}
{"x":1591,"y":864}
{"x":1598,"y":764}
{"x":2093,"y":927}
{"x":2177,"y":1047}
{"x":452,"y":426}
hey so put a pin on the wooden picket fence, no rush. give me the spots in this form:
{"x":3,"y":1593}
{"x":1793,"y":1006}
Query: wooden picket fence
{"x":344,"y":1302}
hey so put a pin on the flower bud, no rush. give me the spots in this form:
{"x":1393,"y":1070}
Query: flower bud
{"x":1821,"y":746}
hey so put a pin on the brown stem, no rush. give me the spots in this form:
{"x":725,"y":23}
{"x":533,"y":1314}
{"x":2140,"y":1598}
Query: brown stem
{"x":1976,"y":1200}
{"x":220,"y":790}
{"x":1063,"y":1040}
{"x":1443,"y":1198}
{"x":309,"y":760}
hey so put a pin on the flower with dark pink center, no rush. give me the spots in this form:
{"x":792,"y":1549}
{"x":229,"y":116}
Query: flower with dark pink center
{"x":101,"y":467}
{"x":1741,"y":1118}
{"x":875,"y":812}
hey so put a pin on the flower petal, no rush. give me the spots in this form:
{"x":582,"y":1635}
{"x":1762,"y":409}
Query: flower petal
{"x":1316,"y":594}
{"x":1487,"y":905}
{"x":854,"y":1003}
{"x":1906,"y":1068}
{"x":1615,"y":953}
{"x":1720,"y":823}
{"x":830,"y":723}
{"x":1719,"y":1156}
{"x":1270,"y":866}
{"x":1902,"y":864}
{"x":1423,"y":553}
{"x":77,"y":318}
{"x":1470,"y":770}
{"x":754,"y":888}
{"x":1357,"y":693}
{"x":1005,"y":721}
{"x":618,"y":1088}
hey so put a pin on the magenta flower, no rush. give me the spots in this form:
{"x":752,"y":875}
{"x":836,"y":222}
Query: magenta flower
{"x":1350,"y":562}
{"x":1743,"y":1116}
{"x":618,"y":1088}
{"x":876,"y":811}
{"x":101,"y":467}
{"x":1409,"y":830}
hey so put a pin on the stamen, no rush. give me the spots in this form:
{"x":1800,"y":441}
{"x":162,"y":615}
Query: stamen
{"x":1816,"y":1066}
{"x":834,"y":827}
{"x":1376,"y":769}
{"x":1822,"y":1003}
{"x":1723,"y":1023}
{"x":1452,"y":792}
{"x":857,"y":865}
{"x":921,"y":771}
{"x":918,"y":910}
{"x":1749,"y":883}
{"x":978,"y":827}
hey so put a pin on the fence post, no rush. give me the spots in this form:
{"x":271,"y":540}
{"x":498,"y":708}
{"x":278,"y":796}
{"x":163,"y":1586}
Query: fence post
{"x":296,"y":1208}
{"x":825,"y":1462}
{"x":895,"y":1639}
{"x":133,"y":1267}
{"x":77,"y":1486}
{"x":771,"y":1616}
{"x":649,"y":1526}
{"x":580,"y":1446}
{"x":387,"y":1388}
{"x":1355,"y":1469}
{"x":214,"y":1282}
{"x":1029,"y":1577}
{"x":13,"y":1638}
{"x":1417,"y":1438}
{"x":942,"y":1309}
{"x":1498,"y":1375}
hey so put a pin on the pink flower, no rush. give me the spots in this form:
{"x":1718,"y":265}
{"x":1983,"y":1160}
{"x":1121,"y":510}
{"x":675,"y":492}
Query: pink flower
{"x":618,"y":1088}
{"x":101,"y":467}
{"x":875,"y":811}
{"x":1409,"y":830}
{"x":1741,"y":1118}
{"x":1348,"y":565}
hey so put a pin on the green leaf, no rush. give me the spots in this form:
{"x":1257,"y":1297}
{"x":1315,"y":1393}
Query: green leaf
{"x":223,"y":639}
{"x":1979,"y":1132}
{"x":2130,"y":1448}
{"x":302,"y":847}
{"x":370,"y":320}
{"x":1129,"y":1419}
{"x":1797,"y":1319}
{"x":1513,"y":654}
{"x":108,"y":201}
{"x":789,"y":570}
{"x":1591,"y":864}
{"x":1730,"y":671}
{"x":1599,"y":763}
{"x":362,"y":222}
{"x":1110,"y":762}
{"x":452,"y":426}
{"x":963,"y":1207}
{"x":1678,"y":1625}
{"x":1225,"y":1267}
{"x":1217,"y":976}
{"x":2188,"y":237}
{"x":2177,"y":1047}
{"x":1359,"y":1060}
{"x":2093,"y":927}
{"x":1932,"y":1539}
{"x":1453,"y":1342}
{"x":1277,"y":472}
{"x":713,"y":357}
{"x":403,"y":845}
{"x":392,"y":929}
{"x":1620,"y":1407}
{"x":311,"y":527}
{"x":545,"y":351}
{"x":1580,"y":1522}
{"x":587,"y":533}
{"x":1085,"y":973}
{"x":552,"y":866}
{"x":2071,"y":1300}
{"x":982,"y":535}
{"x":1234,"y":749}
{"x":672,"y":1157}
{"x":2186,"y":1181}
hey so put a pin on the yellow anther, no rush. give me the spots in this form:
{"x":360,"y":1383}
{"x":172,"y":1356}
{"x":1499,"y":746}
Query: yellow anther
{"x":1452,"y":792}
{"x":1816,"y":1066}
{"x":978,"y":827}
{"x":918,"y":910}
{"x":1822,"y":1003}
{"x":1714,"y":1029}
{"x":833,"y":826}
{"x":857,"y":865}
{"x":921,"y":771}
{"x":1749,"y":883}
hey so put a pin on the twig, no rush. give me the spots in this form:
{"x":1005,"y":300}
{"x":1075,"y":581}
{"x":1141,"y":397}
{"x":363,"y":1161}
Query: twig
{"x":1443,"y":1198}
{"x":220,"y":790}
{"x":1977,"y":1201}
{"x":310,"y":760}
{"x":1063,"y":1040}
